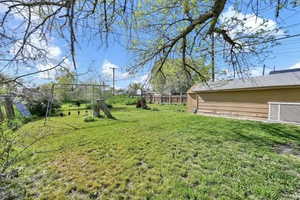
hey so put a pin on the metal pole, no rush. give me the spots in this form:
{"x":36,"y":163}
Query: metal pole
{"x":213,"y":57}
{"x":113,"y":89}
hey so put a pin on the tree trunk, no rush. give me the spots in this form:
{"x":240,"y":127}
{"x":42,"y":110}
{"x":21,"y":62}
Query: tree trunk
{"x":9,"y":108}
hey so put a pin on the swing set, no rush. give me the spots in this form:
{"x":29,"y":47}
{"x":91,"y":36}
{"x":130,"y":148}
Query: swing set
{"x":83,"y":94}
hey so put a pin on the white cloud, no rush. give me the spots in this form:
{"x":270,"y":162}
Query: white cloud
{"x":3,"y":8}
{"x":295,"y":66}
{"x":34,"y":45}
{"x":251,"y":23}
{"x":124,"y":75}
{"x":54,"y":51}
{"x":107,"y":70}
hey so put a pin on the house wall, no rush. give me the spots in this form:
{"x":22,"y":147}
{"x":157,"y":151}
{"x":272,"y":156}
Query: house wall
{"x":246,"y":103}
{"x":191,"y":101}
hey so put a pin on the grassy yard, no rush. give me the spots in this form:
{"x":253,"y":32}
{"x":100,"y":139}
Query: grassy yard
{"x":162,"y":154}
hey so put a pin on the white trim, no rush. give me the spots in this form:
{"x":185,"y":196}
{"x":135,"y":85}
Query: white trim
{"x":269,"y":113}
{"x":279,"y":111}
{"x":278,"y":116}
{"x":285,"y":103}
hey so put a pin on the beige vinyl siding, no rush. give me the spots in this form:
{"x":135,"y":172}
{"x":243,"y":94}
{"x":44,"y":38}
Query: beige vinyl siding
{"x":245,"y":103}
{"x":191,"y":101}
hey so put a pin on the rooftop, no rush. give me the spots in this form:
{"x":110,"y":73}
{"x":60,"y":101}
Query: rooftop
{"x":273,"y":80}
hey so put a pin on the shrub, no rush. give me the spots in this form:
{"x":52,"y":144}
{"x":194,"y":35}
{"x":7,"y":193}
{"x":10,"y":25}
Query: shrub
{"x":39,"y":107}
{"x":89,"y":119}
{"x":109,"y":106}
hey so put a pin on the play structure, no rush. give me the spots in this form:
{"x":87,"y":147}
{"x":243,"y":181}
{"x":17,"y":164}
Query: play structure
{"x":84,"y":99}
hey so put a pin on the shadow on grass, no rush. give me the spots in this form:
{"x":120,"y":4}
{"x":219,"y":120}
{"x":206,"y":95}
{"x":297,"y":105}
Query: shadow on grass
{"x":264,"y":134}
{"x":248,"y":132}
{"x":116,"y":109}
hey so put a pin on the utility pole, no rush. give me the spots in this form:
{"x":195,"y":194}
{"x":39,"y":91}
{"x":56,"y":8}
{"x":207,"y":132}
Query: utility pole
{"x":212,"y":57}
{"x":113,"y":89}
{"x":264,"y":68}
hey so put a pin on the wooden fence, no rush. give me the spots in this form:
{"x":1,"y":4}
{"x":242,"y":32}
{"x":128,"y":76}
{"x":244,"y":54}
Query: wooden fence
{"x":166,"y":99}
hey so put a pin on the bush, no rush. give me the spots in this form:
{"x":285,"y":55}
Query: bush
{"x":39,"y":107}
{"x":122,"y":99}
{"x":89,"y":119}
{"x":109,"y":106}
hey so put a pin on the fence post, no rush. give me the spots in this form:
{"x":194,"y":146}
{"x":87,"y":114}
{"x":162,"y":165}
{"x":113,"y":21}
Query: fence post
{"x":9,"y":108}
{"x":180,"y":97}
{"x":170,"y":100}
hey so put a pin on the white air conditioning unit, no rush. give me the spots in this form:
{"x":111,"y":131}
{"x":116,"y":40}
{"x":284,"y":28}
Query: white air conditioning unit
{"x":284,"y":112}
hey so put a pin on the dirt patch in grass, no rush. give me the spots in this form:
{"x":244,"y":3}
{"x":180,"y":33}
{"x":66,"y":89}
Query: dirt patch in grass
{"x":288,"y":149}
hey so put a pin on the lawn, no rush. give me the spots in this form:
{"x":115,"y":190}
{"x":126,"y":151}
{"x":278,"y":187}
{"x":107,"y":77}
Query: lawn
{"x":161,"y":154}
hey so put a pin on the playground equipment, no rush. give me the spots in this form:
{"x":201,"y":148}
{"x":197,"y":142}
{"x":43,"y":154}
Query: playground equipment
{"x":79,"y":93}
{"x":102,"y":106}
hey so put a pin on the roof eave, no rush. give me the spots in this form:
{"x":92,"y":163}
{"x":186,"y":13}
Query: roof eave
{"x":246,"y":89}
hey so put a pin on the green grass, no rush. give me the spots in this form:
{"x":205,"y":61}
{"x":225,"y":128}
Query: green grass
{"x":162,"y":154}
{"x":122,"y":100}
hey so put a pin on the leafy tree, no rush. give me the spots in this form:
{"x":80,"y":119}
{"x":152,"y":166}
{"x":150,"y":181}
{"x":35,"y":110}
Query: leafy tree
{"x":173,"y":78}
{"x":63,"y":92}
{"x":134,"y":87}
{"x":162,"y":28}
{"x":182,"y":29}
{"x":40,"y":105}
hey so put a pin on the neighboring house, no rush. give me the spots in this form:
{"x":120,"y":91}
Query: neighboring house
{"x":250,"y":98}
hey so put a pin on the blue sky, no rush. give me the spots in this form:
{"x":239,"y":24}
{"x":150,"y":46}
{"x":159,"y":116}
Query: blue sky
{"x":284,"y":56}
{"x":99,"y":60}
